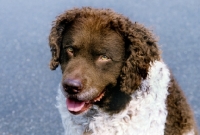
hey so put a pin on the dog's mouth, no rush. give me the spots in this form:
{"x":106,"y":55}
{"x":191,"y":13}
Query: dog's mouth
{"x":76,"y":106}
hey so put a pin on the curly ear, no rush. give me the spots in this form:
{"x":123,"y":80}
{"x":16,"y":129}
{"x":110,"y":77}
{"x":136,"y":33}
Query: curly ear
{"x":54,"y":44}
{"x":56,"y":35}
{"x":141,"y":51}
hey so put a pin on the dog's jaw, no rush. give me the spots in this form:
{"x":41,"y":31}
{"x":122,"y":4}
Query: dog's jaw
{"x":75,"y":106}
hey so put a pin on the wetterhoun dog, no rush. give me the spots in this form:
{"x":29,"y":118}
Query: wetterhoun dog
{"x":114,"y":79}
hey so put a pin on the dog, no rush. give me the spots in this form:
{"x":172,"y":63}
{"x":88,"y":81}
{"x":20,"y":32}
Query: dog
{"x":114,"y":81}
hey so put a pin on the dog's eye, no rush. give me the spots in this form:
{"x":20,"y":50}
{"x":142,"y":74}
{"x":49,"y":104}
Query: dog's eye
{"x":70,"y":50}
{"x":104,"y":58}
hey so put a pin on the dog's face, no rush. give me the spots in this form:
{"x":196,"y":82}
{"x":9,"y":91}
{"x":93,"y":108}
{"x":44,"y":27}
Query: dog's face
{"x":103,"y":57}
{"x":91,"y":59}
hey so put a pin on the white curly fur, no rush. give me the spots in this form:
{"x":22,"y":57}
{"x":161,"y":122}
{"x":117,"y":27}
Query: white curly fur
{"x":145,"y":114}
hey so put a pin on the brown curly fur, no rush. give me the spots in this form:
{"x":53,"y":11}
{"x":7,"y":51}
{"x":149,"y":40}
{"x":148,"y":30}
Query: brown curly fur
{"x":180,"y":118}
{"x":140,"y":49}
{"x":140,"y":43}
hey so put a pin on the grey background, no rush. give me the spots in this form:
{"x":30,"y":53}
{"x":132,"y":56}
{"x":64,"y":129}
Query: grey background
{"x":27,"y":86}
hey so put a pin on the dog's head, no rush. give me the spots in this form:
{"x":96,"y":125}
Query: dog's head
{"x":103,"y":57}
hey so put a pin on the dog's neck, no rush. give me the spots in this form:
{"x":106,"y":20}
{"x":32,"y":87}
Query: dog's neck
{"x":145,"y":114}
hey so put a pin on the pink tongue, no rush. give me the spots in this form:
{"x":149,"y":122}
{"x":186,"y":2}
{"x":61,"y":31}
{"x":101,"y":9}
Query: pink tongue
{"x":74,"y":105}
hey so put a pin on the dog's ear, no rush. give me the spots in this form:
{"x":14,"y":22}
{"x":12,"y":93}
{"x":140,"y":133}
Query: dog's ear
{"x":55,"y":43}
{"x":141,"y":51}
{"x":55,"y":38}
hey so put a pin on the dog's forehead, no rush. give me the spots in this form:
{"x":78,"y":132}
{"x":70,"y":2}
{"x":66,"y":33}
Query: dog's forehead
{"x":87,"y":34}
{"x":98,"y":39}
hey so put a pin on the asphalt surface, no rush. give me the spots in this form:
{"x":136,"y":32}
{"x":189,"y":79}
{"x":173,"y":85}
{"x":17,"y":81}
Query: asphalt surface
{"x":28,"y":87}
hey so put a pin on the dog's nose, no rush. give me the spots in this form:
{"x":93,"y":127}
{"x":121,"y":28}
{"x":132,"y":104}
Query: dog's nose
{"x":72,"y":86}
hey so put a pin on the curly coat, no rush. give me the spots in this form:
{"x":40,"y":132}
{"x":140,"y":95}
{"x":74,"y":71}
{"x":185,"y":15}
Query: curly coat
{"x":140,"y":58}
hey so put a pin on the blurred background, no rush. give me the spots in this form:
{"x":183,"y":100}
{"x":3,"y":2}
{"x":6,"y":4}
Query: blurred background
{"x":27,"y":86}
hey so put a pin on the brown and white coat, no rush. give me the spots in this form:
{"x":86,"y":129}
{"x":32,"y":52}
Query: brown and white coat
{"x":141,"y":97}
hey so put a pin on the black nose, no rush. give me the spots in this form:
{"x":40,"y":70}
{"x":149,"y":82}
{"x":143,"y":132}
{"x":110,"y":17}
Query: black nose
{"x":72,"y":86}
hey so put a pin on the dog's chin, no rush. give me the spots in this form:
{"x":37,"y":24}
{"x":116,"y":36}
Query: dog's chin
{"x":76,"y":106}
